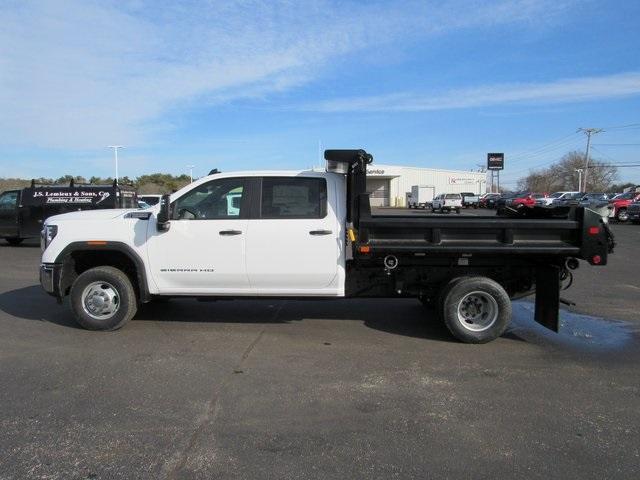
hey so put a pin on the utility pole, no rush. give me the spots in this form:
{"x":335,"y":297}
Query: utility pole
{"x":588,"y":132}
{"x":191,"y":167}
{"x":115,"y":153}
{"x":580,"y":170}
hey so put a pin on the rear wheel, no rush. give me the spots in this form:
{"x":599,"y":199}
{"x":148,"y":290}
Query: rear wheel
{"x":14,"y":241}
{"x":103,"y":298}
{"x":476,"y":309}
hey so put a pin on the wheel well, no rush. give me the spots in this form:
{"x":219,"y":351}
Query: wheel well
{"x":80,"y":261}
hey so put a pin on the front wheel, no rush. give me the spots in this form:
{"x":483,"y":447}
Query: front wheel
{"x":103,"y":298}
{"x":476,"y":309}
{"x":622,"y":215}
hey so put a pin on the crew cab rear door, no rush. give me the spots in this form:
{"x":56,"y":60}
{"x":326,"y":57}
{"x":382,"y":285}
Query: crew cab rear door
{"x":294,"y":241}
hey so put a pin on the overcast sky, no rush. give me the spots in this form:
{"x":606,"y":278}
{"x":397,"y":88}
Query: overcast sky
{"x":258,"y":84}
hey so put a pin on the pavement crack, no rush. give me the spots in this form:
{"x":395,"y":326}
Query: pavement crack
{"x":176,"y":465}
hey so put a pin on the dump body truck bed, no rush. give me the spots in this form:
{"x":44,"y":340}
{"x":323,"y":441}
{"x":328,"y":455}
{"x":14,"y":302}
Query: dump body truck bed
{"x":489,"y":235}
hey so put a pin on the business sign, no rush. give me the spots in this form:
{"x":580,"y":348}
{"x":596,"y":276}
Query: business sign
{"x":77,"y":196}
{"x":375,"y":171}
{"x":462,"y":180}
{"x":495,"y":161}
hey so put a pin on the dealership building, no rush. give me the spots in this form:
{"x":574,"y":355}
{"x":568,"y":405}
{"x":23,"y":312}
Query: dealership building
{"x":389,"y":185}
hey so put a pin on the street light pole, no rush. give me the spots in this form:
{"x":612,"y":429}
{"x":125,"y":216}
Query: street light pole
{"x":115,"y":154}
{"x":579,"y":170}
{"x":191,"y":167}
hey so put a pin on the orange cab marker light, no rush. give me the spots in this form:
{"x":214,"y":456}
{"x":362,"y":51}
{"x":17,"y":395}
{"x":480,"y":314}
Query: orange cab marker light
{"x":96,"y":242}
{"x":594,"y":230}
{"x":365,"y":249}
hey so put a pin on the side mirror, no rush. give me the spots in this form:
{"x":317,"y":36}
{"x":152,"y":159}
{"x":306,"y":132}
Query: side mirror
{"x":164,"y":215}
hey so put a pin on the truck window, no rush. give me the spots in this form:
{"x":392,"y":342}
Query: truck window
{"x":8,"y":200}
{"x":215,"y":200}
{"x":290,"y":197}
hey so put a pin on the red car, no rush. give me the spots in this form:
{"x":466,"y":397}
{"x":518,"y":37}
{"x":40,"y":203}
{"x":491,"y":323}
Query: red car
{"x":528,"y":199}
{"x":620,"y":204}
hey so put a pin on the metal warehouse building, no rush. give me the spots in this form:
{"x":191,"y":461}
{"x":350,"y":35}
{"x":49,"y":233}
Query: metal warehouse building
{"x":390,"y":184}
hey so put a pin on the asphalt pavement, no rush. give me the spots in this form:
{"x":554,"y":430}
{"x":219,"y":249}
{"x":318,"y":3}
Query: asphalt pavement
{"x":320,"y":389}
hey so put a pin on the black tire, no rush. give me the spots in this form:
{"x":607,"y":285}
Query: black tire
{"x":118,"y":282}
{"x":622,"y":216}
{"x":478,"y":294}
{"x":14,"y":241}
{"x":458,"y":211}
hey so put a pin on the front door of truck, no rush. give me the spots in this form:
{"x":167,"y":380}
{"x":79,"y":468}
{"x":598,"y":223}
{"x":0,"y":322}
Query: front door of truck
{"x":293,"y":246}
{"x":9,"y":214}
{"x":204,"y":249}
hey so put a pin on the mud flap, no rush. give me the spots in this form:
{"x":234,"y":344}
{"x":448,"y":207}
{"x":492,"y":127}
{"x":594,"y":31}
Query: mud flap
{"x":548,"y":297}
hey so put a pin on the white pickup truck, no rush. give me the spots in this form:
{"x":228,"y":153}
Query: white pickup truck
{"x":311,"y":234}
{"x":447,"y":202}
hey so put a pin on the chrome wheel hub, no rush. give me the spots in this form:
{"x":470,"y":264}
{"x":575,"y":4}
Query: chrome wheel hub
{"x":477,"y":311}
{"x":100,"y":300}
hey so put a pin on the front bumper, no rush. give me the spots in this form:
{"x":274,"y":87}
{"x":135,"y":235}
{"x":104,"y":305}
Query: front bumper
{"x":50,"y":274}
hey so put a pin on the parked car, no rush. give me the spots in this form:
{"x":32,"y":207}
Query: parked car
{"x":23,"y":212}
{"x":507,"y":198}
{"x":528,"y":199}
{"x":594,"y":197}
{"x":547,"y":201}
{"x":567,"y":199}
{"x":445,"y":202}
{"x":620,"y":204}
{"x":633,"y":211}
{"x":488,"y":200}
{"x":470,"y":200}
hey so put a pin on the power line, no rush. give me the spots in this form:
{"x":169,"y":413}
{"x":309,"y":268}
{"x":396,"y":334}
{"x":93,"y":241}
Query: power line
{"x":616,"y":144}
{"x":550,"y":146}
{"x":622,"y":127}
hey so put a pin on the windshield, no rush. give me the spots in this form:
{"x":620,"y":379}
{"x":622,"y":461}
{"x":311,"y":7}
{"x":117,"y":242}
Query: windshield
{"x":555,"y":195}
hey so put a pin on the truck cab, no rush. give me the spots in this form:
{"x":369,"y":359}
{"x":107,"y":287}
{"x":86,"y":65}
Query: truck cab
{"x":240,"y":234}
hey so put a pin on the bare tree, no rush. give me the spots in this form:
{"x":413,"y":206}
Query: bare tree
{"x":564,"y":175}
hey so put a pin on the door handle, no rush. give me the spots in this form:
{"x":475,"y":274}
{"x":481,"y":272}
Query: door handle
{"x":320,"y":232}
{"x":230,"y":232}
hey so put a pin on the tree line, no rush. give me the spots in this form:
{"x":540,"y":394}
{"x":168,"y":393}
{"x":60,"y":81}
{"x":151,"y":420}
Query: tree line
{"x":145,"y":184}
{"x":563,"y":176}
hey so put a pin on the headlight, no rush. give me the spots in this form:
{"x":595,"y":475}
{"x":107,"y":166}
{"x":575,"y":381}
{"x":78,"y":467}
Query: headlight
{"x":49,"y":232}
